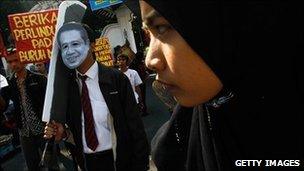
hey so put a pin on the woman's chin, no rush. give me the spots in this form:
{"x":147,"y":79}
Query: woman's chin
{"x":186,"y":101}
{"x":190,"y":100}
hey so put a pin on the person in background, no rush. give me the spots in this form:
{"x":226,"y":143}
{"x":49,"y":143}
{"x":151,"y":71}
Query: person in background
{"x":27,"y":91}
{"x":31,"y":67}
{"x":117,"y":51}
{"x":102,"y":113}
{"x":138,"y":65}
{"x":122,"y":62}
{"x":7,"y":112}
{"x":3,"y":84}
{"x":41,"y":68}
{"x":237,"y":78}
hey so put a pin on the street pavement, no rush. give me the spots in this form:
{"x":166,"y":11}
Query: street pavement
{"x":157,"y":115}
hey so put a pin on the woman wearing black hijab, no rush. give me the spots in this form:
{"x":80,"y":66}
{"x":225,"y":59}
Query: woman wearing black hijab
{"x":234,"y":69}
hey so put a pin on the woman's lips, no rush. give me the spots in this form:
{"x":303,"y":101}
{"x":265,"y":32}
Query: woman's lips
{"x":167,"y":86}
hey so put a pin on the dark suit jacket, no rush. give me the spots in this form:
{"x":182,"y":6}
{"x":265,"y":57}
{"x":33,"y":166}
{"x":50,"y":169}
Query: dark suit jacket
{"x":132,"y":149}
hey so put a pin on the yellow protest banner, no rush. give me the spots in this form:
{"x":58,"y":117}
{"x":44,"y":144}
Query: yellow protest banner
{"x":102,"y":51}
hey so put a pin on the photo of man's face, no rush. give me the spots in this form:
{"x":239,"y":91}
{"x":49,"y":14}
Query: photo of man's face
{"x":74,"y":49}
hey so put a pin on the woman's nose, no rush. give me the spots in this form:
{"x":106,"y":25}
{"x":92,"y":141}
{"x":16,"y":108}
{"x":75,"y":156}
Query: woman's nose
{"x":155,"y":58}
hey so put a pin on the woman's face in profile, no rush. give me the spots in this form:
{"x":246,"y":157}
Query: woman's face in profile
{"x":180,"y":70}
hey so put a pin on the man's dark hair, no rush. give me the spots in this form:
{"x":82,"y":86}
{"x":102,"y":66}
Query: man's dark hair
{"x":85,"y":31}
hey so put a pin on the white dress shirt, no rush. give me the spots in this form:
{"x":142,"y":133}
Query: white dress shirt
{"x":100,"y":112}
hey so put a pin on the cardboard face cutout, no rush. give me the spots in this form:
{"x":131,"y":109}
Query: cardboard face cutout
{"x":74,"y":49}
{"x":55,"y":103}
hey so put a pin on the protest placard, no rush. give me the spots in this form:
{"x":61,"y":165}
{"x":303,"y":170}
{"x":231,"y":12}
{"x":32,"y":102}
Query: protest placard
{"x":102,"y":51}
{"x":33,"y":33}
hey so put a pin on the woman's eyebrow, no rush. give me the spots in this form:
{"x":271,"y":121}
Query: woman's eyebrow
{"x":148,"y":19}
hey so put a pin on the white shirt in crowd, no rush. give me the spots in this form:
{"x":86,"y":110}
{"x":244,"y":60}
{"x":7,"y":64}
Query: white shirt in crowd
{"x":134,"y":80}
{"x":100,"y":112}
{"x":3,"y":81}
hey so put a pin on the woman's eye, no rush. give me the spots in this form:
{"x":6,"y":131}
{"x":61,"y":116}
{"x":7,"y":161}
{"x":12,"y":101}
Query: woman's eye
{"x":157,"y":31}
{"x":161,"y":29}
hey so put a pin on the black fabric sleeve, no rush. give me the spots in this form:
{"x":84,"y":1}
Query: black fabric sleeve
{"x":140,"y":159}
{"x":5,"y":94}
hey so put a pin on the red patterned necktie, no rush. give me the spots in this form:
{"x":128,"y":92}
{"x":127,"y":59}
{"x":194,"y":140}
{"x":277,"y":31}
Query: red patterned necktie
{"x":90,"y":134}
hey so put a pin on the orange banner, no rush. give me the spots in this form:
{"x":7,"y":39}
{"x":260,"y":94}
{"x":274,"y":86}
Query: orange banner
{"x":2,"y":46}
{"x":33,"y":33}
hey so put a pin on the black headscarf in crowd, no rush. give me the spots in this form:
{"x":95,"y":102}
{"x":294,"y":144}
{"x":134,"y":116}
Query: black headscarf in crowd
{"x":254,"y":47}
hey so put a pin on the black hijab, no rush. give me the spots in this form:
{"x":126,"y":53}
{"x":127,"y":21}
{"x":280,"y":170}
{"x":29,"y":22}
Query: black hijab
{"x":232,"y":37}
{"x":254,"y":47}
